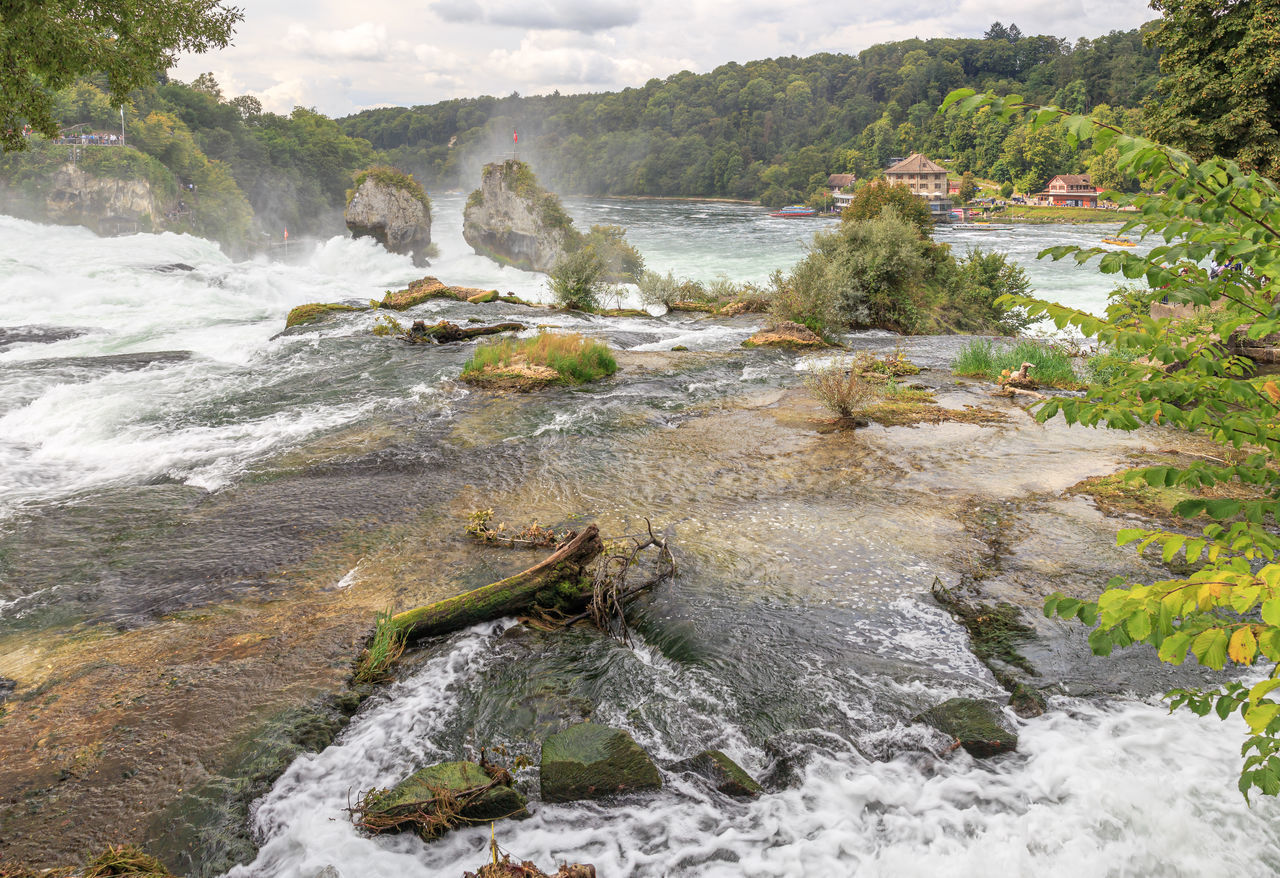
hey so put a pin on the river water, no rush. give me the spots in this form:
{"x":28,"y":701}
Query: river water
{"x":799,"y":637}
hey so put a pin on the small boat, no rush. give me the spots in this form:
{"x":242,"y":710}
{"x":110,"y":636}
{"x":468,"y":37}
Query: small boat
{"x":982,"y":227}
{"x":1119,"y":241}
{"x":792,"y":211}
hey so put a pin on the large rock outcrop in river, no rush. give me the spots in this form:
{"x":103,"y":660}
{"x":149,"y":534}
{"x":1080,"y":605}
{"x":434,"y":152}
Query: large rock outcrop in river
{"x":513,"y":220}
{"x":108,"y":205}
{"x":393,"y":209}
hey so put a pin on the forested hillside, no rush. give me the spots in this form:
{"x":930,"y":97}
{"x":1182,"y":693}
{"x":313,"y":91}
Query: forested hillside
{"x":771,"y":129}
{"x":767,"y":128}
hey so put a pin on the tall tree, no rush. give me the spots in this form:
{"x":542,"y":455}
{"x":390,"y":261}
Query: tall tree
{"x":1220,"y":94}
{"x":45,"y":45}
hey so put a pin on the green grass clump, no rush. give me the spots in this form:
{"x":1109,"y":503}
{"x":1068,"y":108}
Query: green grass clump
{"x":382,"y":653}
{"x":1051,"y":367}
{"x":575,"y":359}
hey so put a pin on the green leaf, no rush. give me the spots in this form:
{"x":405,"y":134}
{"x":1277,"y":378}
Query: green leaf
{"x":958,"y":94}
{"x":1259,"y":716}
{"x":1210,"y":648}
{"x":1222,"y":509}
{"x":1271,"y":612}
{"x":1174,"y":648}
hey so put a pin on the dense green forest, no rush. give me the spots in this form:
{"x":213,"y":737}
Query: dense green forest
{"x":770,"y":130}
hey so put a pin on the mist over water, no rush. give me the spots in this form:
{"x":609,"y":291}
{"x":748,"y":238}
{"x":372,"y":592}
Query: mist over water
{"x":118,"y":369}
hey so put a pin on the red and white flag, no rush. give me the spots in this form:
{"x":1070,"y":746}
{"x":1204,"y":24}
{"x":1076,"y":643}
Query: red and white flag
{"x":515,"y":136}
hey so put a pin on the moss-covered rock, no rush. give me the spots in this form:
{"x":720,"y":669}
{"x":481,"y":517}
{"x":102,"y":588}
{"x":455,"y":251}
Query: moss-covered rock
{"x":316,"y":311}
{"x":419,"y":291}
{"x":785,"y":334}
{"x":483,"y":298}
{"x":588,"y":761}
{"x":441,"y":797}
{"x":977,"y":725}
{"x":724,"y":774}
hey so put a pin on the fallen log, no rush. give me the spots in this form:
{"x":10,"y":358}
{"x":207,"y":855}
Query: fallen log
{"x":559,"y":582}
{"x":445,"y":332}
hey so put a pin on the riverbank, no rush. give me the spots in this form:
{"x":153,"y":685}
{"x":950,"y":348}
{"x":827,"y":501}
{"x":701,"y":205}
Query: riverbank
{"x":142,"y":731}
{"x":1036,"y":215}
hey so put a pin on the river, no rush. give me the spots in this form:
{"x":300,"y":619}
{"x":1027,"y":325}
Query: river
{"x":163,"y":450}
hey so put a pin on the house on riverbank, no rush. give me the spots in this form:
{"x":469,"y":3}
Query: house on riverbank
{"x":841,"y":186}
{"x":1068,"y":190}
{"x":926,"y":179}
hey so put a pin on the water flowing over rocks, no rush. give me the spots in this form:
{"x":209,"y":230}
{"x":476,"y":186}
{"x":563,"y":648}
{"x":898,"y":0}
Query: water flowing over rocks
{"x":512,"y":220}
{"x":393,"y":210}
{"x":722,"y":773}
{"x":976,"y":725}
{"x":441,"y":797}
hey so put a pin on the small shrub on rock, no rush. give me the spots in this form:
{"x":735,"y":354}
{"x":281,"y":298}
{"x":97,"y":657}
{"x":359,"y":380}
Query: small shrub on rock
{"x":842,"y":391}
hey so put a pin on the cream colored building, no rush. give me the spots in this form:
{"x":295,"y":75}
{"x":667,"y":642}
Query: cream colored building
{"x":926,"y":179}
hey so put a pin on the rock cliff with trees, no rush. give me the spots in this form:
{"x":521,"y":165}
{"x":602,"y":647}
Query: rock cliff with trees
{"x":393,"y":209}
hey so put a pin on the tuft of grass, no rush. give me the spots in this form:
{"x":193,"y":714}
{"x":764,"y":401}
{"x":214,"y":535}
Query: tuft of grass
{"x":842,"y":391}
{"x":125,"y":860}
{"x":383,"y":651}
{"x":575,"y":359}
{"x":1051,"y":367}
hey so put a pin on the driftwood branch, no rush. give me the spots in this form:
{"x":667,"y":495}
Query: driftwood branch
{"x":558,"y":579}
{"x":610,"y":591}
{"x":445,"y":332}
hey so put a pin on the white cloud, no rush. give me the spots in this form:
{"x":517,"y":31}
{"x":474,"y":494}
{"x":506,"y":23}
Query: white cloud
{"x":587,"y":16}
{"x":365,"y":41}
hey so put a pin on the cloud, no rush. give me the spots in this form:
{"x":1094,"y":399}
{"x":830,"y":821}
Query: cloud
{"x":584,"y":16}
{"x":548,"y":61}
{"x":365,"y":41}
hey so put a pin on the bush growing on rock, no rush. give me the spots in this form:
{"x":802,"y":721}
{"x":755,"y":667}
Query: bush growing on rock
{"x":841,"y":390}
{"x":578,"y":280}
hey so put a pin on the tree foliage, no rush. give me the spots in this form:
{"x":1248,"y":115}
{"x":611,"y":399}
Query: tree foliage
{"x":1225,"y":609}
{"x":770,"y":129}
{"x":1220,"y":95}
{"x":45,"y":45}
{"x":870,"y":200}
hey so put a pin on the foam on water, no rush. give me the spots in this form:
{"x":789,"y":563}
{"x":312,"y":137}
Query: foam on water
{"x":1090,"y":792}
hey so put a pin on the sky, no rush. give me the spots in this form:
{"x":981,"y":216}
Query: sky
{"x":340,"y":56}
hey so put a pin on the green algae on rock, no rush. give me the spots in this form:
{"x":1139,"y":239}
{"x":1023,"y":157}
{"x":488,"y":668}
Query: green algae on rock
{"x":976,"y":725}
{"x":724,"y":774}
{"x":314,"y":312}
{"x":588,"y":761}
{"x":441,"y":797}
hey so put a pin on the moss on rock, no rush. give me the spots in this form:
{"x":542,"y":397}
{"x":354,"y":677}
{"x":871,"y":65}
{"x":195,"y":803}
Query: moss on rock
{"x":441,"y":797}
{"x":588,"y":761}
{"x":316,"y":311}
{"x":724,"y":774}
{"x":977,"y":725}
{"x":785,"y":334}
{"x":419,"y":291}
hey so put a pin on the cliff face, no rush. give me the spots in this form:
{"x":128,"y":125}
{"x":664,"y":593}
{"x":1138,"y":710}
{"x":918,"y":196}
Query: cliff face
{"x":392,"y":215}
{"x":512,"y":220}
{"x":104,"y":204}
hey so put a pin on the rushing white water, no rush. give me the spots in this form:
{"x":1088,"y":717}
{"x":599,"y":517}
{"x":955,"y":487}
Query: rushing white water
{"x":1121,"y":791}
{"x":72,"y":419}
